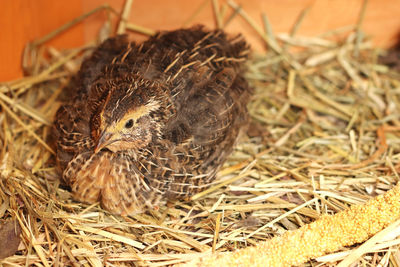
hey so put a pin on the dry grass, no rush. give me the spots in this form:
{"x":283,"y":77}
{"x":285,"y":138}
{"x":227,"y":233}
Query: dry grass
{"x":324,"y":136}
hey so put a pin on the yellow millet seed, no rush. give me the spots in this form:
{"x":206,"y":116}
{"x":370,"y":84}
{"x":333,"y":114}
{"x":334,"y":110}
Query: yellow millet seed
{"x":327,"y":234}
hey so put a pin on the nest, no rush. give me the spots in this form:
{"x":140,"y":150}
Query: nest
{"x":324,"y":136}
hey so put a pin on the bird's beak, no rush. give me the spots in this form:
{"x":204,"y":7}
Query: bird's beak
{"x":104,"y":140}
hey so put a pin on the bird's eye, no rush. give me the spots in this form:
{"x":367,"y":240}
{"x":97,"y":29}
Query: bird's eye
{"x":129,"y":124}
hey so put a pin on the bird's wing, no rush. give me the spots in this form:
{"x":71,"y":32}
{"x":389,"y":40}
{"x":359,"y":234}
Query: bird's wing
{"x":211,"y":115}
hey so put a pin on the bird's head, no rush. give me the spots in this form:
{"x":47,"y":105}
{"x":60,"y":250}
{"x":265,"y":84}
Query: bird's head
{"x":129,"y":116}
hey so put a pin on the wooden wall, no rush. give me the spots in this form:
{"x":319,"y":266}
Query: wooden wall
{"x":25,"y":20}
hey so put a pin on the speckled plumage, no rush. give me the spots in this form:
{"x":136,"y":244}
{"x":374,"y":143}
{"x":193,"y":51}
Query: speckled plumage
{"x":152,"y":121}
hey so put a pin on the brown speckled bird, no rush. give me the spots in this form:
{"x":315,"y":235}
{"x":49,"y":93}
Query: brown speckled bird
{"x":152,"y":121}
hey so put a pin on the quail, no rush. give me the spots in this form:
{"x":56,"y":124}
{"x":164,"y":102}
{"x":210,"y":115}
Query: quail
{"x":153,"y":121}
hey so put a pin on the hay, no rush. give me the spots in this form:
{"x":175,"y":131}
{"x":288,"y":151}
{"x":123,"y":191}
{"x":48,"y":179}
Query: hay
{"x":324,"y":136}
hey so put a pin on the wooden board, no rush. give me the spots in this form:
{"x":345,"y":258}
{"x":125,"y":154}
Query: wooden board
{"x":25,"y":20}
